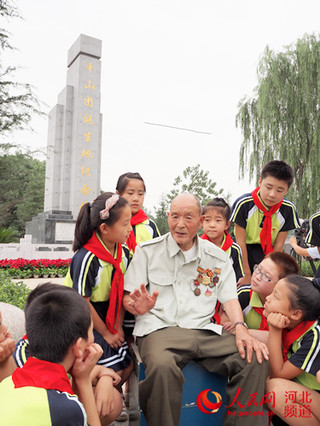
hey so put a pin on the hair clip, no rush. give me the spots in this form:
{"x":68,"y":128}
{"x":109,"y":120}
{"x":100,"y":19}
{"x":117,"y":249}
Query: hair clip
{"x":110,"y":202}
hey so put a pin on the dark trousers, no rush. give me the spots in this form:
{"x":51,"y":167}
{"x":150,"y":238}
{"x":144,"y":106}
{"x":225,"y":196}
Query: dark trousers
{"x":165,"y":352}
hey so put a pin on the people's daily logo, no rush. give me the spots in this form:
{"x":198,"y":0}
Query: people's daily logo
{"x":209,"y":401}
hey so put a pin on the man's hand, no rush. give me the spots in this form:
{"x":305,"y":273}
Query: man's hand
{"x":293,"y":242}
{"x":142,"y":301}
{"x":244,"y":340}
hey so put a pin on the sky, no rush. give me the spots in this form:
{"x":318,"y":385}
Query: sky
{"x":183,"y":64}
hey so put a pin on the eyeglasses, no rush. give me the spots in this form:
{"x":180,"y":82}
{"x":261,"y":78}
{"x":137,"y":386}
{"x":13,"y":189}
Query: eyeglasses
{"x":264,"y":277}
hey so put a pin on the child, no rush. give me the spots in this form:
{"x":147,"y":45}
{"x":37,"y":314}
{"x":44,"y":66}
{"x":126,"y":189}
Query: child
{"x":252,"y":298}
{"x":59,"y":328}
{"x":6,"y":349}
{"x":215,"y":225}
{"x":264,"y":217}
{"x":293,"y":311}
{"x":131,"y":186}
{"x":96,"y":272}
{"x":312,"y":237}
{"x":105,"y":395}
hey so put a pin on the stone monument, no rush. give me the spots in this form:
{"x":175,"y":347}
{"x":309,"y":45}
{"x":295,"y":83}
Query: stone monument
{"x":74,"y":146}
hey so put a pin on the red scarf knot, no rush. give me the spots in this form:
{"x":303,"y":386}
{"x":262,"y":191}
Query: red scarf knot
{"x":265,"y":234}
{"x":139,"y":217}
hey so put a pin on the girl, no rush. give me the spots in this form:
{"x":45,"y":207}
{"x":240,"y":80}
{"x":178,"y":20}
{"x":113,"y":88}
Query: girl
{"x":293,"y":311}
{"x":215,"y":225}
{"x":96,"y":272}
{"x":131,"y":186}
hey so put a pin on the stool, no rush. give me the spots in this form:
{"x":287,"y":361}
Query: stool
{"x":197,"y":379}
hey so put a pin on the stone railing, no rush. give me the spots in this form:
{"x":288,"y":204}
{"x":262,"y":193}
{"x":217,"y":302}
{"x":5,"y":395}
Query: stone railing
{"x":27,"y":250}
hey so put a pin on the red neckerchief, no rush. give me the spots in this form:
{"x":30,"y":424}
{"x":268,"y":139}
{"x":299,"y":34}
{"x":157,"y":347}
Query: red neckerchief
{"x":42,"y":374}
{"x":290,"y":336}
{"x":264,"y":323}
{"x":139,"y":217}
{"x":94,"y":246}
{"x":227,"y":244}
{"x":265,"y":234}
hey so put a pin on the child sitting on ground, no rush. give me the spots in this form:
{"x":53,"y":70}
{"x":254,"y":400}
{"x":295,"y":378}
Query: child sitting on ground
{"x":60,"y":334}
{"x":106,"y":396}
{"x":264,"y":217}
{"x":252,"y":297}
{"x":293,"y":311}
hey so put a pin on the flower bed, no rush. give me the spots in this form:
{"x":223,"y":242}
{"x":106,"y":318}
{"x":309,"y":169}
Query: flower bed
{"x":24,"y":268}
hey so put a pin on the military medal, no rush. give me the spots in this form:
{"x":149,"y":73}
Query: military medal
{"x":208,"y":278}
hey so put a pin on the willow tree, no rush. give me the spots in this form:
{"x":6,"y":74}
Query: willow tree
{"x":18,"y":103}
{"x":282,"y":119}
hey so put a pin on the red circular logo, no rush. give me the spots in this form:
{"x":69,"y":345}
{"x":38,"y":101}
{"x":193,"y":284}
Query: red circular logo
{"x":207,"y":406}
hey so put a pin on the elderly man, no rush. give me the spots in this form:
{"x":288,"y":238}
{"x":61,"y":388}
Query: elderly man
{"x":181,"y":277}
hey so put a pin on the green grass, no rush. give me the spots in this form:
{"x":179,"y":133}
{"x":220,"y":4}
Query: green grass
{"x":12,"y":293}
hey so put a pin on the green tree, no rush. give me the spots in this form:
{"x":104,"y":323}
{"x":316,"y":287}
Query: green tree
{"x":282,"y":119}
{"x":18,"y":102}
{"x":161,"y":218}
{"x":22,"y":180}
{"x":197,"y":182}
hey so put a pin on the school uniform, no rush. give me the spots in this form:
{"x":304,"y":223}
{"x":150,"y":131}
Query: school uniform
{"x":40,"y":394}
{"x":145,"y":230}
{"x":247,"y":215}
{"x":248,"y":304}
{"x":92,"y":277}
{"x":304,"y":353}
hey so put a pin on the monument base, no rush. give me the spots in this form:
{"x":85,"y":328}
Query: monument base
{"x":52,"y":227}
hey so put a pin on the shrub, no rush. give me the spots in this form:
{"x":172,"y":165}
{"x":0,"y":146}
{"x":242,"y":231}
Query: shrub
{"x":306,"y":269}
{"x":13,"y":293}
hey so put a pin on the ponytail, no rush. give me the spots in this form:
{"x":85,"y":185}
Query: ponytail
{"x":89,"y":218}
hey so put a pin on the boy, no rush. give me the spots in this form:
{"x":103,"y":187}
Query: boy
{"x":252,"y":298}
{"x":215,"y":226}
{"x":264,"y":217}
{"x":60,"y":334}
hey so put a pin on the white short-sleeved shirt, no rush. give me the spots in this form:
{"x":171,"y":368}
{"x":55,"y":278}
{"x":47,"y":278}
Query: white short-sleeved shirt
{"x":161,"y":265}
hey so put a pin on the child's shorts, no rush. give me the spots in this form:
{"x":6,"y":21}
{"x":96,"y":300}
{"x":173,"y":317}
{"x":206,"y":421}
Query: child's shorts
{"x":117,"y":359}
